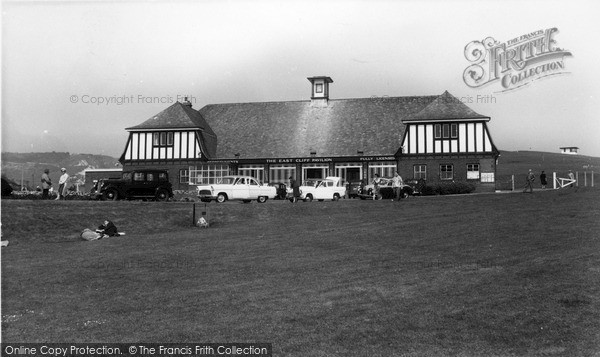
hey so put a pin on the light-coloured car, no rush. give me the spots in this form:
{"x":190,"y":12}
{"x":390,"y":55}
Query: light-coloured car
{"x":328,"y":188}
{"x":244,"y":188}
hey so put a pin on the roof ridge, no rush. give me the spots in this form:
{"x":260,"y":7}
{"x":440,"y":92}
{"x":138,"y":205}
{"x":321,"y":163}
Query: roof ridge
{"x":331,"y":100}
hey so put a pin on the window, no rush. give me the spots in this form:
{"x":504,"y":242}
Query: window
{"x":184,"y":176}
{"x":281,"y":173}
{"x":446,"y":172}
{"x":138,"y":176}
{"x":472,"y":171}
{"x":207,"y":174}
{"x":256,"y":171}
{"x":384,"y":169}
{"x":420,"y":172}
{"x":446,"y":131}
{"x":454,"y":131}
{"x":319,"y":88}
{"x":163,"y":139}
{"x":150,"y":177}
{"x":438,"y":131}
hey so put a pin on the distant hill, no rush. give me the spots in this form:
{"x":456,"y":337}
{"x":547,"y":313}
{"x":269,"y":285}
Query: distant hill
{"x":29,"y":167}
{"x":519,"y":162}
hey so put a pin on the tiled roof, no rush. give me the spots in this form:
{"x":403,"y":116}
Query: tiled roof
{"x":181,"y":116}
{"x":177,"y":116}
{"x":446,"y":107}
{"x":295,"y":129}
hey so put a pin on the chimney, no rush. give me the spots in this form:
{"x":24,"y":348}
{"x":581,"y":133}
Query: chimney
{"x":186,"y":102}
{"x":320,"y":91}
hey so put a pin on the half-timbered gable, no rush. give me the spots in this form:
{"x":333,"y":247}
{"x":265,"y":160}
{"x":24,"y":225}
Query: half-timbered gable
{"x":446,"y":126}
{"x":447,"y":140}
{"x":177,"y":133}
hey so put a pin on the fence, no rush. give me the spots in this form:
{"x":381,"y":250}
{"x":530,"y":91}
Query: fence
{"x":555,"y":180}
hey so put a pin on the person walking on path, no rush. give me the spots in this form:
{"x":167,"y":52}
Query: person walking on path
{"x":529,"y":183}
{"x":62,"y":184}
{"x":397,"y":186}
{"x":543,"y":179}
{"x":46,"y":183}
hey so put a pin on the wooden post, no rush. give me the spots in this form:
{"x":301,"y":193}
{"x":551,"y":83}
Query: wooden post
{"x":194,"y":214}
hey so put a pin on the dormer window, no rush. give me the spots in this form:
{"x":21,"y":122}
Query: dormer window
{"x":163,"y":139}
{"x":446,"y":131}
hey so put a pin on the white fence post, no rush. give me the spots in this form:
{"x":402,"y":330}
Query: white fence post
{"x":554,"y":180}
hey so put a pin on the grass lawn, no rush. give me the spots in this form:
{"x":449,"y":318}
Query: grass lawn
{"x":471,"y":275}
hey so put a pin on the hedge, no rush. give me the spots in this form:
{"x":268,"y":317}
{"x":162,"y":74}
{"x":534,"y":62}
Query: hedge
{"x":448,"y":188}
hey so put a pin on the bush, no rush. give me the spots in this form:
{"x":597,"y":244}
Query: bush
{"x":448,"y":188}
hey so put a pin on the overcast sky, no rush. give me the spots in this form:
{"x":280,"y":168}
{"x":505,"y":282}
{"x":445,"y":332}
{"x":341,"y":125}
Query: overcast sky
{"x":60,"y":58}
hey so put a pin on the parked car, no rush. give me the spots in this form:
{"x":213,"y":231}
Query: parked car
{"x":145,"y":184}
{"x":244,"y":188}
{"x":328,"y":188}
{"x":417,"y":185}
{"x":386,"y":190}
{"x":354,"y":188}
{"x":280,"y":189}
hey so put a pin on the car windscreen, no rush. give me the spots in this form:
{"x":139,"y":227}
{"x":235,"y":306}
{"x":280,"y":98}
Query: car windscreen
{"x":226,"y":181}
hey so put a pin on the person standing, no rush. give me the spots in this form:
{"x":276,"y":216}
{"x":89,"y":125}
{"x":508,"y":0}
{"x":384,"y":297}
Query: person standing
{"x":529,"y":182}
{"x":376,"y":183}
{"x":572,"y":178}
{"x":543,"y":179}
{"x":62,"y":184}
{"x":46,"y":183}
{"x":295,"y":189}
{"x":397,"y":185}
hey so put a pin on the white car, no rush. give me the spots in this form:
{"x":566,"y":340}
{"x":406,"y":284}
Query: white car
{"x":244,"y":188}
{"x":328,"y":188}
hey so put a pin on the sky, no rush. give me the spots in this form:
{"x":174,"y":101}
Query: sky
{"x":76,"y":74}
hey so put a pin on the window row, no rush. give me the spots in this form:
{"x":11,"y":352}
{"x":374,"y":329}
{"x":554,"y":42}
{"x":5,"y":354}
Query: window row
{"x":445,"y":131}
{"x":162,"y":139}
{"x":446,"y":172}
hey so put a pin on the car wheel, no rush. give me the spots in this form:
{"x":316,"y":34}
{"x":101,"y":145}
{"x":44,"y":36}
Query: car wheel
{"x":162,"y":195}
{"x":221,"y":198}
{"x":262,"y":199}
{"x":336,"y":197}
{"x":111,"y":195}
{"x":308,"y":198}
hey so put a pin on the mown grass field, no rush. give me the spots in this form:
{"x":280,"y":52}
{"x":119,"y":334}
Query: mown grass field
{"x":476,"y":275}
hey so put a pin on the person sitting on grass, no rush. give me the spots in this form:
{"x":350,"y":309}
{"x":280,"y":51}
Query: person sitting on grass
{"x":108,"y":229}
